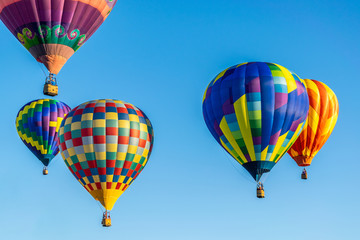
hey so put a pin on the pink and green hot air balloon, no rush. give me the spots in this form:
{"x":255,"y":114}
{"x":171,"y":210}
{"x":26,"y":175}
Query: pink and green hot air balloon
{"x":53,"y":30}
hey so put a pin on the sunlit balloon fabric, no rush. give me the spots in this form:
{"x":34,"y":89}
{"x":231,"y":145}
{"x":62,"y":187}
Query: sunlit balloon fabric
{"x":256,"y":111}
{"x":38,"y":123}
{"x":52,"y":30}
{"x":106,"y":144}
{"x":323,"y":114}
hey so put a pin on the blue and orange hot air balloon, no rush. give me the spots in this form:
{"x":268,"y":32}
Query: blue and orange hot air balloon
{"x":255,"y":111}
{"x":106,"y":144}
{"x":37,"y":124}
{"x":323,"y":114}
{"x":53,"y":30}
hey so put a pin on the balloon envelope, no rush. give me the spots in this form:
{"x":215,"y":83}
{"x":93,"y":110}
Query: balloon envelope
{"x":52,"y":30}
{"x":256,"y":111}
{"x":38,"y":123}
{"x":106,"y":144}
{"x":323,"y":114}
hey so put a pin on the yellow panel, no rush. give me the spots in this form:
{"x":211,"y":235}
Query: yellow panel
{"x":69,"y":161}
{"x":100,"y":155}
{"x":68,"y":121}
{"x":121,"y":179}
{"x":296,"y":134}
{"x":134,"y":118}
{"x":312,"y":85}
{"x":88,"y":148}
{"x":132,"y":149}
{"x":87,"y":116}
{"x":228,"y":135}
{"x":313,"y":119}
{"x":86,"y":180}
{"x":71,"y":152}
{"x":96,"y":178}
{"x":143,"y":127}
{"x":290,"y":81}
{"x":58,"y":124}
{"x":145,"y":152}
{"x":264,"y":153}
{"x":137,"y":158}
{"x":111,"y":147}
{"x":99,"y":123}
{"x":81,"y":157}
{"x":124,"y":124}
{"x":120,"y":156}
{"x":75,"y":126}
{"x":242,"y":116}
{"x":277,"y":146}
{"x":109,"y":178}
{"x":53,"y":123}
{"x":111,"y":115}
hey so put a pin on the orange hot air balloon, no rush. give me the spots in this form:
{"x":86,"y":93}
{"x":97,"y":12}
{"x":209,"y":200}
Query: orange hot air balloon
{"x":323,"y":114}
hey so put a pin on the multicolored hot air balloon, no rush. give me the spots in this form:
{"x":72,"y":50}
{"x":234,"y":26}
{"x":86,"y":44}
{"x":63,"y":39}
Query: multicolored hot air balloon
{"x":52,"y":30}
{"x":323,"y":114}
{"x":255,"y":111}
{"x":37,"y":124}
{"x":106,"y":144}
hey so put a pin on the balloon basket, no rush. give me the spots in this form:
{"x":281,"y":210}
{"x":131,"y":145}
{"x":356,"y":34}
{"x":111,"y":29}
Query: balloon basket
{"x":106,"y":221}
{"x":50,"y":90}
{"x":260,"y":193}
{"x":304,"y":175}
{"x":45,"y":171}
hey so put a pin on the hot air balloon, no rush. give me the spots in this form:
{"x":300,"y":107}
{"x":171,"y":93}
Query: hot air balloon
{"x":255,"y":111}
{"x":52,"y":30}
{"x":106,"y":144}
{"x":37,"y":124}
{"x":323,"y":114}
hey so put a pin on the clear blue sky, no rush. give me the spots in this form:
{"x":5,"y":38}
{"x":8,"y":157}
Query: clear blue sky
{"x":160,"y":56}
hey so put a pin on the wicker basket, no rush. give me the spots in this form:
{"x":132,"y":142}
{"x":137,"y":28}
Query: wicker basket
{"x":50,"y":90}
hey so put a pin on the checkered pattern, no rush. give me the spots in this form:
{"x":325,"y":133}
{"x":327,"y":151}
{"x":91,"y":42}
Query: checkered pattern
{"x":106,"y":144}
{"x":38,"y":123}
{"x":323,"y":114}
{"x":256,"y":111}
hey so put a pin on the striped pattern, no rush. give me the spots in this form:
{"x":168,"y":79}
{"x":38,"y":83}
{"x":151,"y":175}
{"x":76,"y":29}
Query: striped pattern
{"x":52,"y":30}
{"x":256,"y":111}
{"x":38,"y":123}
{"x":323,"y":114}
{"x":106,"y":144}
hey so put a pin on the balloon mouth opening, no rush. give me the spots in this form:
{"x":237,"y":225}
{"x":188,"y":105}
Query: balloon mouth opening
{"x":303,"y":161}
{"x":303,"y":165}
{"x":258,"y":168}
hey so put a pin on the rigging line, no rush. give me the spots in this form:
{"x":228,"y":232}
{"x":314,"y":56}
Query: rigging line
{"x":41,"y":67}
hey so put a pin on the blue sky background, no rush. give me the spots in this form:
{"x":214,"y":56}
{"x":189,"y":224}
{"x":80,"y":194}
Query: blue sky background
{"x":160,"y":56}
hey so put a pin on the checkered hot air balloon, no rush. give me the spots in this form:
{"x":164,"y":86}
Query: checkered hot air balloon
{"x":255,"y":111}
{"x":323,"y":114}
{"x":106,"y":144}
{"x":53,"y":30}
{"x":37,"y":124}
